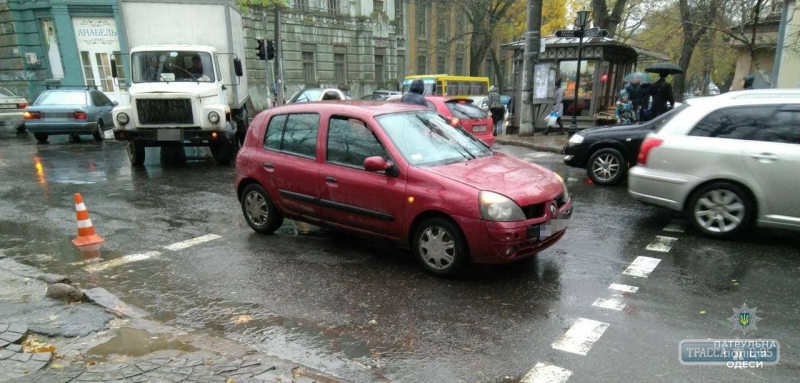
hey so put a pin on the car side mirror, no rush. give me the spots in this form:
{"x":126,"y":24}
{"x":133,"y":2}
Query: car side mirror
{"x":377,"y":164}
{"x":115,"y":103}
{"x":237,"y":67}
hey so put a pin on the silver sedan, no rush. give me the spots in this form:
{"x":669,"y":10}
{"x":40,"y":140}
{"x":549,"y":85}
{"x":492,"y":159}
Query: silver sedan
{"x":73,"y":112}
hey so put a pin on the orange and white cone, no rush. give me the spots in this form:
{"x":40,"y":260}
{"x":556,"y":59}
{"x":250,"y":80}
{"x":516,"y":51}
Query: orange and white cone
{"x":86,"y":233}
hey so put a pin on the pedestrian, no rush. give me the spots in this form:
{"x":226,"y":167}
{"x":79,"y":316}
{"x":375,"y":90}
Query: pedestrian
{"x":497,"y":110}
{"x":558,"y":107}
{"x":415,"y":94}
{"x":748,"y":82}
{"x":624,"y":111}
{"x":634,"y":89}
{"x":661,"y":91}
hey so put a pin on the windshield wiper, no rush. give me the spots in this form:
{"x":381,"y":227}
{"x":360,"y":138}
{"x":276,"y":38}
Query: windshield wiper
{"x":460,"y":148}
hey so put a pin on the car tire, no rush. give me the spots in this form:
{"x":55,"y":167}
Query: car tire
{"x":41,"y":137}
{"x":721,"y":210}
{"x":223,"y":151}
{"x":136,"y":153}
{"x":606,"y":167}
{"x":260,"y":213}
{"x":21,"y":128}
{"x":440,"y":247}
{"x":100,"y":133}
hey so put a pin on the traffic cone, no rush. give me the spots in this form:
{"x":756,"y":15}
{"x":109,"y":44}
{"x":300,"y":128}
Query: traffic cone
{"x":86,"y":233}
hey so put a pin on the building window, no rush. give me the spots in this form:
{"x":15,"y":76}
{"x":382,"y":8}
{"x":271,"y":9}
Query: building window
{"x":340,"y":68}
{"x":377,"y":5}
{"x":333,"y":7}
{"x":421,"y":18}
{"x":398,"y":18}
{"x":301,"y":5}
{"x":309,"y":75}
{"x":441,"y":22}
{"x":422,"y":64}
{"x":88,"y":74}
{"x":379,"y":74}
{"x":401,"y":67}
{"x":459,"y":66}
{"x":441,"y":64}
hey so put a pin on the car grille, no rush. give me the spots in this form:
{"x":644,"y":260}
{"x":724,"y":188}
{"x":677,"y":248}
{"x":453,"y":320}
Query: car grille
{"x":534,"y":211}
{"x":175,"y":111}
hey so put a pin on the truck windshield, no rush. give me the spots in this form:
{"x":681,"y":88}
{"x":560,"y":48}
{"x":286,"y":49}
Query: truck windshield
{"x":170,"y":66}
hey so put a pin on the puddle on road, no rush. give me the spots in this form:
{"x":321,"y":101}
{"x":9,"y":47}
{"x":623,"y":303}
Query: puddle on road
{"x":135,"y":343}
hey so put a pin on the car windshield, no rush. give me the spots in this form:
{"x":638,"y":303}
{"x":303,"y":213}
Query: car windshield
{"x":662,"y":120}
{"x":62,"y":98}
{"x":465,"y":111}
{"x":167,"y":66}
{"x":307,"y":95}
{"x":425,"y":139}
{"x":6,"y":93}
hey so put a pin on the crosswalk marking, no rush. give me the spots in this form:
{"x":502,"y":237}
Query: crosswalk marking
{"x":661,"y":244}
{"x":612,"y":304}
{"x":580,"y":338}
{"x":121,"y":261}
{"x":546,"y":373}
{"x":642,"y":267}
{"x":191,"y":242}
{"x":623,"y":288}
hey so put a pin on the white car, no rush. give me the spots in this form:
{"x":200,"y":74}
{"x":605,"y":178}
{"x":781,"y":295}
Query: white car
{"x":728,"y":161}
{"x":317,"y":94}
{"x":12,"y":109}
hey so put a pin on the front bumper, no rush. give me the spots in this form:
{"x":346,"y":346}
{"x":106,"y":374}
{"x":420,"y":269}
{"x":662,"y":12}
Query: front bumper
{"x":661,"y":188}
{"x":503,"y":242}
{"x":54,"y":128}
{"x":575,"y":155}
{"x":185,"y":137}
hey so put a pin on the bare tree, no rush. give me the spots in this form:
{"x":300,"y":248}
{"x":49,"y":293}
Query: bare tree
{"x":483,"y":16}
{"x":604,"y":19}
{"x":695,"y":22}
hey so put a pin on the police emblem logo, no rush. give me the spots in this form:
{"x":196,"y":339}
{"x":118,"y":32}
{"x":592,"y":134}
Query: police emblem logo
{"x":744,"y":319}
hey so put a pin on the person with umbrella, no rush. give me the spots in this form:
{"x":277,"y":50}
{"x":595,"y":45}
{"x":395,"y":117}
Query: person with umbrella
{"x":661,"y":90}
{"x":634,"y":91}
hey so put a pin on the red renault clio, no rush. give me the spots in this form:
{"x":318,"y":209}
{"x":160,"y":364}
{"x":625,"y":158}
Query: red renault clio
{"x":400,"y":172}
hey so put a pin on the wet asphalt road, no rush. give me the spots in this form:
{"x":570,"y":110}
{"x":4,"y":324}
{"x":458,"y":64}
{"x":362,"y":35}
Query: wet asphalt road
{"x":362,"y":309}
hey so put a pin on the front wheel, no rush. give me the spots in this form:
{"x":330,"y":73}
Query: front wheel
{"x":100,"y":133}
{"x":440,"y":247}
{"x":721,"y":210}
{"x":223,"y":151}
{"x":41,"y":137}
{"x":607,"y":167}
{"x":136,"y":153}
{"x":260,"y":213}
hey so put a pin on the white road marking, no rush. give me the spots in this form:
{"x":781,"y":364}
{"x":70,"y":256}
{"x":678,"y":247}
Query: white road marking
{"x":538,"y":154}
{"x":546,"y":373}
{"x":642,"y":267}
{"x":623,"y":288}
{"x":676,"y":226}
{"x":572,"y":179}
{"x":121,"y":261}
{"x":661,"y":244}
{"x":191,"y":242}
{"x":581,"y":336}
{"x":613,"y":304}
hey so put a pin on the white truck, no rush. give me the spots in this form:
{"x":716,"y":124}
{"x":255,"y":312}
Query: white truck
{"x":186,"y":84}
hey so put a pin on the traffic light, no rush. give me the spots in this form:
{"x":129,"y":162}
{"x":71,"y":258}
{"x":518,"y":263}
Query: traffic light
{"x":260,"y":51}
{"x":270,"y":50}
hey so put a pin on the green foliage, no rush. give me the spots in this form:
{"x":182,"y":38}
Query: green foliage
{"x":246,"y":4}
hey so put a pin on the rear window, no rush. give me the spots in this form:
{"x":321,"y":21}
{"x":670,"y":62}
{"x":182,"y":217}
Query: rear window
{"x":465,"y":111}
{"x":733,"y":123}
{"x":62,"y":98}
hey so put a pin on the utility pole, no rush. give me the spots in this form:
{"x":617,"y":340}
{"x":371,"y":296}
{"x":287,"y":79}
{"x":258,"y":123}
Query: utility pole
{"x":530,"y":58}
{"x":776,"y":71}
{"x":266,"y":61}
{"x":278,"y":57}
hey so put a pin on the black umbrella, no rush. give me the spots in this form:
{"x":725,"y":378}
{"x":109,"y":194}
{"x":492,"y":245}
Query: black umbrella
{"x":668,"y":68}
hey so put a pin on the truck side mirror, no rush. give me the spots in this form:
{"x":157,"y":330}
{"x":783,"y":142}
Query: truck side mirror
{"x":114,"y":68}
{"x":237,"y":67}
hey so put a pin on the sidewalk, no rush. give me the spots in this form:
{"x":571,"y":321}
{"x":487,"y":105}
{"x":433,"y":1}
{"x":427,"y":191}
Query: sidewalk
{"x":92,"y":336}
{"x":553,"y":142}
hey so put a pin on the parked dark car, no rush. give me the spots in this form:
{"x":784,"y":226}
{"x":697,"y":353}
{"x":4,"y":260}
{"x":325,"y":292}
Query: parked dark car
{"x":607,"y":152}
{"x":72,"y":112}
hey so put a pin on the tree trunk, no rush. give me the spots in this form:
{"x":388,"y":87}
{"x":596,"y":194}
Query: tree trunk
{"x":687,"y":50}
{"x":602,"y":19}
{"x":478,"y":45}
{"x":498,"y":73}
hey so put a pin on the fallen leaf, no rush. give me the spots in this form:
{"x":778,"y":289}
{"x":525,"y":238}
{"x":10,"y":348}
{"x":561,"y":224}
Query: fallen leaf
{"x":703,"y":312}
{"x":241,"y":319}
{"x":56,"y":365}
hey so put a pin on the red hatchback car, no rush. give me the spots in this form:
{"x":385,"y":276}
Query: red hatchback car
{"x":472,"y":118}
{"x":401,"y":172}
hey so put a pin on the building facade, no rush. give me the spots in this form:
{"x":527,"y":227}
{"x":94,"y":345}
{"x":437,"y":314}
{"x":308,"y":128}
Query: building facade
{"x":67,"y":43}
{"x":347,"y":44}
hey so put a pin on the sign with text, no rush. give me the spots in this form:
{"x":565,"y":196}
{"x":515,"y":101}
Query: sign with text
{"x":733,"y":353}
{"x":96,"y":33}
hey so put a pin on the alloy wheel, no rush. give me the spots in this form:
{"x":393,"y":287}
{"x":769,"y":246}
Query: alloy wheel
{"x":605,"y":167}
{"x":719,"y":211}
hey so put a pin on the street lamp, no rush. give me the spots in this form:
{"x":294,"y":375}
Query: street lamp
{"x":583,"y":18}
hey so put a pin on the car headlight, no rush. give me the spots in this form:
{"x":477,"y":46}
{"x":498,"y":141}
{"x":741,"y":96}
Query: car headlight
{"x":123,"y":118}
{"x":565,"y":197}
{"x":213,"y":117}
{"x":576,"y":139}
{"x":496,"y":207}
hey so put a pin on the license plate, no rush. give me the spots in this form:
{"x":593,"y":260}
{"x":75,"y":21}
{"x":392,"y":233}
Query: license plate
{"x":548,"y":228}
{"x":169,"y":135}
{"x":478,"y":129}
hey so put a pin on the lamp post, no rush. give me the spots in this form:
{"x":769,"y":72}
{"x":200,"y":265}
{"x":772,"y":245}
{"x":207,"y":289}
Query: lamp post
{"x":583,"y":17}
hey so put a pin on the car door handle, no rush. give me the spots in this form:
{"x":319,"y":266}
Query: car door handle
{"x":765,"y":156}
{"x":269,"y":165}
{"x":331,"y":180}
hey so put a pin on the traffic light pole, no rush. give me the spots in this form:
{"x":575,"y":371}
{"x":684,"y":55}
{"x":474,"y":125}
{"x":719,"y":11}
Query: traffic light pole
{"x":278,"y":57}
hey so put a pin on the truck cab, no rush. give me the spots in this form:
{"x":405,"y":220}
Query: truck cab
{"x":178,"y":97}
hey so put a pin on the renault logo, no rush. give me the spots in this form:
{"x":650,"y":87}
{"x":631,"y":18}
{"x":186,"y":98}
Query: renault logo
{"x":553,"y":210}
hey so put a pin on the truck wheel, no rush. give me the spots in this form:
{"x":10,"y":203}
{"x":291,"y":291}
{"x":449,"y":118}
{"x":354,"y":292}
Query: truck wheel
{"x":223,"y":151}
{"x":41,"y":137}
{"x":242,"y":125}
{"x":136,"y":153}
{"x":173,"y":155}
{"x":99,"y":134}
{"x":21,"y":128}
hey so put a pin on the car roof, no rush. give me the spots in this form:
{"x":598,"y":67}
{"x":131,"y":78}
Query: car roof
{"x":759,"y":93}
{"x":764,"y":99}
{"x":355,"y":107}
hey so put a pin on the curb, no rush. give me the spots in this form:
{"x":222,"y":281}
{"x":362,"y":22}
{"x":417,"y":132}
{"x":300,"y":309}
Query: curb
{"x":542,"y":148}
